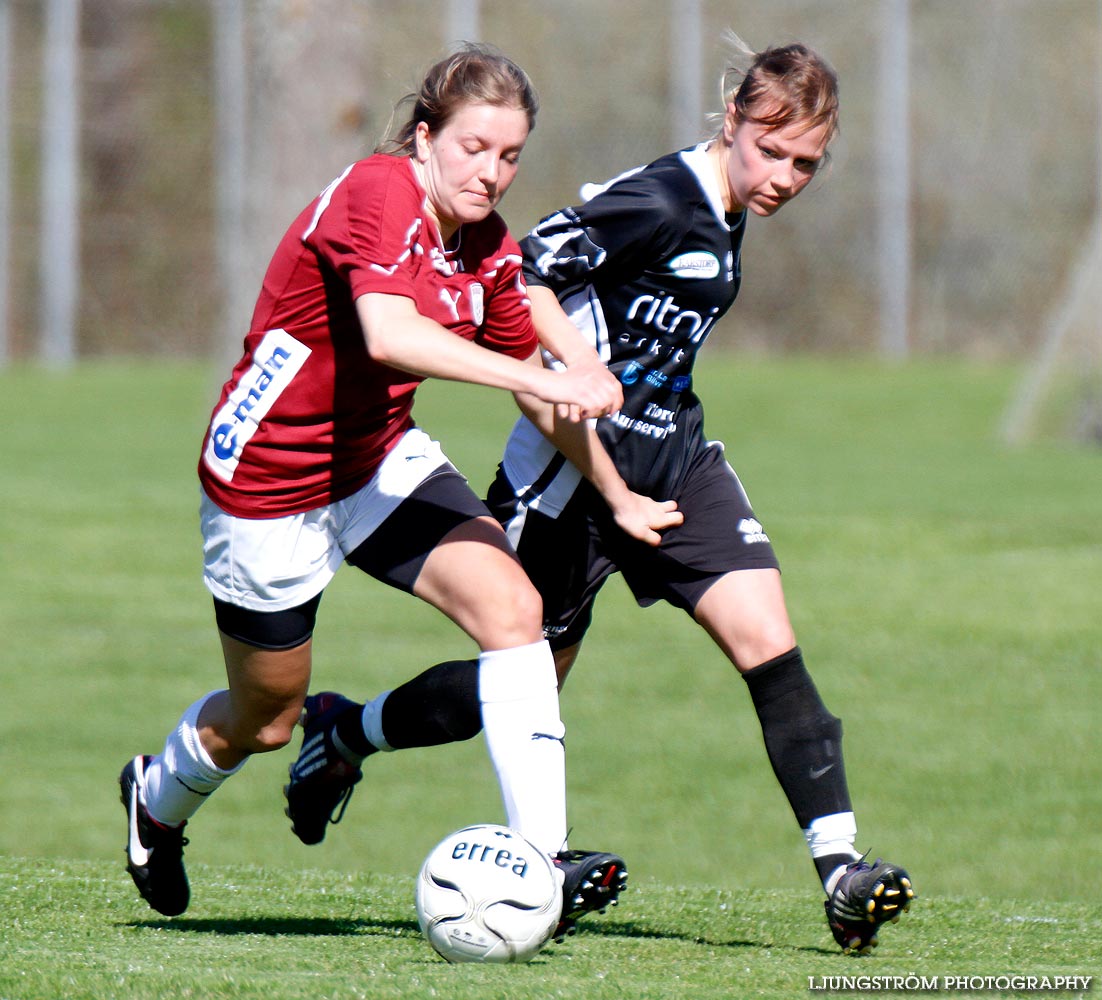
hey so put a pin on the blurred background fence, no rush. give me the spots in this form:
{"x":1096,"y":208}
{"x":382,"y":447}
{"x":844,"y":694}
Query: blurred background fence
{"x":153,"y":151}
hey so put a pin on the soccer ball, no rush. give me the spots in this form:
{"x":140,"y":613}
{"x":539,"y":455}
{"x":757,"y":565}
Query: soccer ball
{"x":485,"y":894}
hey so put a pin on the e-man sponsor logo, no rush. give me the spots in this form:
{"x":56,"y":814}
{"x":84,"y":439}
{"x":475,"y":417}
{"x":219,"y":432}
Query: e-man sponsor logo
{"x":276,"y":361}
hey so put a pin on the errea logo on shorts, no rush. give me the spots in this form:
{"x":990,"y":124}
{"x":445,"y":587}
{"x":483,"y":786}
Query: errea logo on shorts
{"x":752,"y":531}
{"x":695,"y":264}
{"x":276,"y":361}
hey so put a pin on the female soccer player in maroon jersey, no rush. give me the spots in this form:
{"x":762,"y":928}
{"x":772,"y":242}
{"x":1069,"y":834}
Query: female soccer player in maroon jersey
{"x":400,"y":270}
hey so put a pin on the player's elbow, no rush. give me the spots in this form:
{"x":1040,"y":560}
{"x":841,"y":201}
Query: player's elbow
{"x":381,"y":320}
{"x":379,"y":348}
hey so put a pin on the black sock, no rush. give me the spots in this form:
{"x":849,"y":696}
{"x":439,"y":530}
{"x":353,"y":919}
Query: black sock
{"x":349,"y":734}
{"x":440,"y":705}
{"x":803,"y":740}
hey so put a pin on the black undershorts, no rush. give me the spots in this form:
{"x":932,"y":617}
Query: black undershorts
{"x":394,"y":554}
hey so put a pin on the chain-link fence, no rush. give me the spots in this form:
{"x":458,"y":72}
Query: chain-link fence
{"x":1001,"y":188}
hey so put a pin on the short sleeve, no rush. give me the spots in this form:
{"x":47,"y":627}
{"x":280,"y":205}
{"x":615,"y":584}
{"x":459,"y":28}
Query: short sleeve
{"x":365,"y":224}
{"x":619,"y":232}
{"x":507,"y":326}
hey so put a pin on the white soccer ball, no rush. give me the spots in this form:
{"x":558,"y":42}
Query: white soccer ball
{"x":485,"y":894}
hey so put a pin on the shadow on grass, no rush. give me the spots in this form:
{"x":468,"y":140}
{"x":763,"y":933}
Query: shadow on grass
{"x":341,"y":927}
{"x":279,"y":926}
{"x":642,"y":931}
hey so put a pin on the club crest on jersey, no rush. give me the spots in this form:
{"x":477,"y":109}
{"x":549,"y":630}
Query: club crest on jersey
{"x":478,"y":312}
{"x":276,"y":361}
{"x":698,"y":264}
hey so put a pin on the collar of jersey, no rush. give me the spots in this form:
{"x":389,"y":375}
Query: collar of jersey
{"x":696,"y":159}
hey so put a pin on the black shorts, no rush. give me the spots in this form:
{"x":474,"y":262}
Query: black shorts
{"x":394,"y":554}
{"x":569,"y":557}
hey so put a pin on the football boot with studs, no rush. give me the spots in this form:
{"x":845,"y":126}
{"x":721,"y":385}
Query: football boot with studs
{"x":592,"y":882}
{"x":321,"y":780}
{"x":866,"y":897}
{"x":154,"y":853}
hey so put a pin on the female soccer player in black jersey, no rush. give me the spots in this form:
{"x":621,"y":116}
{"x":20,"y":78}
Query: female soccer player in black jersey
{"x":644,"y":267}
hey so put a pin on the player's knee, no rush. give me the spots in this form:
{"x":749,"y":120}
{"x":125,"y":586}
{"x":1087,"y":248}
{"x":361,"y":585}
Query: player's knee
{"x":514,"y":619}
{"x":264,"y":734}
{"x":266,"y":739}
{"x":768,"y":642}
{"x":528,"y":611}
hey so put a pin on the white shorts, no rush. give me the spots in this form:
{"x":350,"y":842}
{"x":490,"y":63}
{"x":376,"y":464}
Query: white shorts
{"x":273,"y":564}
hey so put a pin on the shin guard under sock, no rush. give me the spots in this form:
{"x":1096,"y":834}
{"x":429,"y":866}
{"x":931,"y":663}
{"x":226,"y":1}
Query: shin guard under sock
{"x":518,"y":689}
{"x":437,"y":706}
{"x":803,"y":740}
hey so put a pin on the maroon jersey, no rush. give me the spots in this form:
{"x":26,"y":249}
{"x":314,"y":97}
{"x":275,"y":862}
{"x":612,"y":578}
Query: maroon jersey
{"x":307,"y":415}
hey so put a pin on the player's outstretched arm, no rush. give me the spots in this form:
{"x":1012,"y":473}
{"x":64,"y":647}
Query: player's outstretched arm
{"x":640,"y":516}
{"x":396,"y":334}
{"x":562,"y":339}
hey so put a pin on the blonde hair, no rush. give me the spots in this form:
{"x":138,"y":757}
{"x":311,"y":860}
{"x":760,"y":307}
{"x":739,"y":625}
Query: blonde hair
{"x":782,"y":86}
{"x":476,"y":74}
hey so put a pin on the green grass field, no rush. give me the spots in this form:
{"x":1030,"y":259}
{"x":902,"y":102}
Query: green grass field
{"x":265,"y":932}
{"x":946,"y":592}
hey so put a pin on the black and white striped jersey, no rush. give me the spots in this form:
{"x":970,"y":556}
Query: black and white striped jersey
{"x":644,"y":267}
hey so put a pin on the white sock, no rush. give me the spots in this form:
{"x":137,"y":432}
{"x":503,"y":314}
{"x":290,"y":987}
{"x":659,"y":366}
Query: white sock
{"x":518,"y":689}
{"x":833,"y":834}
{"x":180,"y":778}
{"x":371,"y":719}
{"x":373,"y":723}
